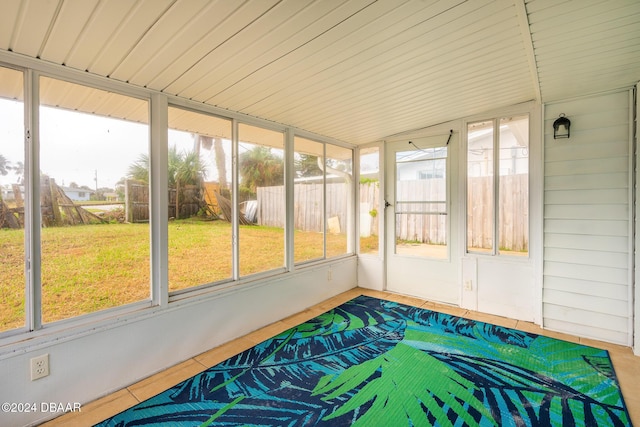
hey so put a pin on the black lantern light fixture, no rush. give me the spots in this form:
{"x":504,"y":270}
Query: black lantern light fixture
{"x":561,"y":127}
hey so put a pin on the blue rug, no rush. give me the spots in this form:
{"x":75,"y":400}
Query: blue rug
{"x":371,"y":362}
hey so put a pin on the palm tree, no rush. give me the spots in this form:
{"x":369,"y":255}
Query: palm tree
{"x":5,"y":165}
{"x":260,"y":167}
{"x":306,"y":165}
{"x":221,"y":163}
{"x":208,"y":143}
{"x":185,"y":168}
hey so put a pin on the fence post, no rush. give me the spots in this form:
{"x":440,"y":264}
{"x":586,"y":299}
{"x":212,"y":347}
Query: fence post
{"x":128,"y":205}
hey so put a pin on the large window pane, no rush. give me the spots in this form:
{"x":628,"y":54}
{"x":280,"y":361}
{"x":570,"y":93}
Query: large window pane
{"x":498,"y":167}
{"x":199,"y":175}
{"x":261,"y":199}
{"x":480,"y":187}
{"x":339,"y":176}
{"x":95,"y":237}
{"x":308,"y":200}
{"x":369,"y":200}
{"x":12,"y":279}
{"x":421,"y":202}
{"x":513,"y":193}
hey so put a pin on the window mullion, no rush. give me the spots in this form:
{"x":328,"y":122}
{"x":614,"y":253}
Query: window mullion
{"x":159,"y":198}
{"x":289,"y":226}
{"x":325,"y":217}
{"x":32,"y":219}
{"x":496,"y":185}
{"x":235,"y":221}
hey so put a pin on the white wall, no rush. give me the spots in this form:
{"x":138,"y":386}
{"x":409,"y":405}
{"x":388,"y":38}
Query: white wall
{"x":97,"y":362}
{"x":371,"y":272}
{"x":588,"y":219}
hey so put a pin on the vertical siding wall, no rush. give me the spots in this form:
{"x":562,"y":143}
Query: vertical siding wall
{"x":587,"y":220}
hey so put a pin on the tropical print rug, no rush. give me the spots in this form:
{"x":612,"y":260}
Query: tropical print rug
{"x":371,"y":362}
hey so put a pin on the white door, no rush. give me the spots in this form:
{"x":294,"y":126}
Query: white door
{"x":421,"y":249}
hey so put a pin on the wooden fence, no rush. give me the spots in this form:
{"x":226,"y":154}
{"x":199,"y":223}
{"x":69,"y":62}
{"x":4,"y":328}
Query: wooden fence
{"x":419,"y":222}
{"x":513,"y":212}
{"x":307,"y":210}
{"x":430,"y":226}
{"x":56,"y":208}
{"x":184,"y":202}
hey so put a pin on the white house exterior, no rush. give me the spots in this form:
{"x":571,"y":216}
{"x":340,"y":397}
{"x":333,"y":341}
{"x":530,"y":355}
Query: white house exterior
{"x":77,"y":194}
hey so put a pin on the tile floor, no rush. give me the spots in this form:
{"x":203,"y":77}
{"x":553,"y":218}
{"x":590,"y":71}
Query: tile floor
{"x":627,"y":365}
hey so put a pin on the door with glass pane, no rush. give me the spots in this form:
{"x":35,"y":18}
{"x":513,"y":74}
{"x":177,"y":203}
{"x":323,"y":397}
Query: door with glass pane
{"x":420,"y":237}
{"x":497,"y":269}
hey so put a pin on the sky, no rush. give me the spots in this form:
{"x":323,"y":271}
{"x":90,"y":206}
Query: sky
{"x":76,"y":147}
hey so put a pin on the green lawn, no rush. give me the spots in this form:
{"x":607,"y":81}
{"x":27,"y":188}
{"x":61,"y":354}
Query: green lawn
{"x":92,"y":267}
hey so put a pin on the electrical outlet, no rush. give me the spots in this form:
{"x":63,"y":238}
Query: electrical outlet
{"x":329,"y":276}
{"x":468,"y":285}
{"x":39,"y":367}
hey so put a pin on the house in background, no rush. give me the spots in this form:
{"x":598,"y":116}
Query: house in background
{"x":8,"y":192}
{"x":338,"y":80}
{"x":77,"y":194}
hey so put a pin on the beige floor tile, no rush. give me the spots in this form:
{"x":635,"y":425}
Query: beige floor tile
{"x":374,"y":293}
{"x":267,"y":332}
{"x":560,"y":336}
{"x":337,"y":300}
{"x":627,"y":367}
{"x":535,"y":329}
{"x":529,"y":327}
{"x":159,"y":382}
{"x":96,"y":411}
{"x":492,"y":319}
{"x":404,"y":299}
{"x":302,"y":317}
{"x":447,"y":309}
{"x":604,"y":345}
{"x":220,"y":354}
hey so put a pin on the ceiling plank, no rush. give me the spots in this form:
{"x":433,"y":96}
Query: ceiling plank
{"x":95,"y":35}
{"x":33,"y":25}
{"x":67,"y":29}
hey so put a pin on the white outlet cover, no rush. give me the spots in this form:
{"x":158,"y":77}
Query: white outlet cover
{"x":39,"y":367}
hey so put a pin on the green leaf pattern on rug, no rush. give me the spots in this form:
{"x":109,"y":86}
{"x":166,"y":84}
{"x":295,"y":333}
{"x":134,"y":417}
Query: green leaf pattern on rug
{"x":399,"y":391}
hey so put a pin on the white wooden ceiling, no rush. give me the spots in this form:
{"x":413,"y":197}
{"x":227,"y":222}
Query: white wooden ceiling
{"x":353,"y":70}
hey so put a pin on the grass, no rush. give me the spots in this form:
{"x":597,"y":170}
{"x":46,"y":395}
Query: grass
{"x":93,"y":267}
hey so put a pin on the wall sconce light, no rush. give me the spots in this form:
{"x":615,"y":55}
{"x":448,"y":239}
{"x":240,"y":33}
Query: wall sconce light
{"x":561,"y":127}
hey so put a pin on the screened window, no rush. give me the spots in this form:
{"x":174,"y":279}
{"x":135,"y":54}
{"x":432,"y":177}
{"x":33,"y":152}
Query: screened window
{"x":308,"y":197}
{"x":93,"y":237}
{"x":498,"y":186}
{"x":421,"y":202}
{"x":199,"y":194}
{"x":261,"y":199}
{"x":12,"y":249}
{"x":369,"y":200}
{"x":338,"y":168}
{"x":95,"y":253}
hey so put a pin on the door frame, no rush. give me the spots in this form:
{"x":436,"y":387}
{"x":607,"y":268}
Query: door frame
{"x":452,"y":260}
